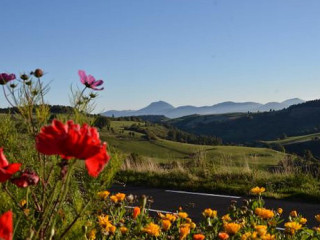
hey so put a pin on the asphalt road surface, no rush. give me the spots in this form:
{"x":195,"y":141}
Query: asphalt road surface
{"x":194,"y":203}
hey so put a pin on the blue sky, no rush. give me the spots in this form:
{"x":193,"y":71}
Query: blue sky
{"x":185,"y":52}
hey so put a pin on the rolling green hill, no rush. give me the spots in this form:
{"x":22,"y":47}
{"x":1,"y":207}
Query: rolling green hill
{"x":162,"y":150}
{"x":296,"y":120}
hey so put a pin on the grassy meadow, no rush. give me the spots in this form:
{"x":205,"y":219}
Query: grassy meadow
{"x":229,"y":169}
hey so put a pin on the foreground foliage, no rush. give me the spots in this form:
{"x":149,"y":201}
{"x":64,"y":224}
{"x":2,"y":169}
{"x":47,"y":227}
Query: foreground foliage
{"x":120,"y":217}
{"x":49,"y":168}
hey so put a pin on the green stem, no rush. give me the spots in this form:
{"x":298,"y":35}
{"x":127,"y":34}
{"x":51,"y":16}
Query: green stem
{"x":75,"y":220}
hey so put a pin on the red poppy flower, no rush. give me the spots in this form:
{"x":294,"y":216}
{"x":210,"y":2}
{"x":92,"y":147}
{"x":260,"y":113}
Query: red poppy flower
{"x":6,"y":226}
{"x":72,"y":141}
{"x":6,"y":169}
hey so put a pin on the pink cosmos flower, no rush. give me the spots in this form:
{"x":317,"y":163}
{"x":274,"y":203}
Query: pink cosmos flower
{"x":4,"y":78}
{"x":89,"y":81}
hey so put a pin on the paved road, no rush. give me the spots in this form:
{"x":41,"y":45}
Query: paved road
{"x":194,"y":203}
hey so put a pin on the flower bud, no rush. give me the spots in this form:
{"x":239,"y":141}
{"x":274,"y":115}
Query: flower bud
{"x":38,"y":73}
{"x":27,"y":178}
{"x":24,"y":77}
{"x":34,"y":92}
{"x":28,"y":83}
{"x":12,"y":85}
{"x":92,"y":95}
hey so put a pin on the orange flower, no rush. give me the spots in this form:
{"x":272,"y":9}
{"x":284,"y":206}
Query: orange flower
{"x":280,"y":210}
{"x":261,"y":230}
{"x":183,"y":215}
{"x":268,"y":237}
{"x":223,"y":235}
{"x":208,"y":212}
{"x":303,"y":220}
{"x":170,"y":217}
{"x":226,"y":218}
{"x":257,"y":190}
{"x":119,"y":197}
{"x":136,"y":212}
{"x":103,"y":195}
{"x":166,"y":224}
{"x":184,"y":230}
{"x":292,"y":227}
{"x":198,"y":236}
{"x":264,"y":213}
{"x":123,"y":230}
{"x":232,"y":228}
{"x":317,"y":217}
{"x":152,"y":229}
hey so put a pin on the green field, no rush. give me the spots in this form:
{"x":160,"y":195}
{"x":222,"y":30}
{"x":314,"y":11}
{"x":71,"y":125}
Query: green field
{"x":162,"y":150}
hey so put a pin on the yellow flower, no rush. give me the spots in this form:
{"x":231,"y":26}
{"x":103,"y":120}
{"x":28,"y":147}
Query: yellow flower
{"x":264,"y":213}
{"x":152,"y":229}
{"x":268,"y":237}
{"x":26,"y":211}
{"x":184,"y":231}
{"x":188,"y":220}
{"x":103,"y":195}
{"x":92,"y":234}
{"x":226,"y":218}
{"x":119,"y":197}
{"x":123,"y":230}
{"x":261,"y":229}
{"x":232,"y":228}
{"x":257,"y":190}
{"x":208,"y":212}
{"x":317,"y":217}
{"x":317,"y":229}
{"x":303,"y":220}
{"x":166,"y":224}
{"x":280,"y":210}
{"x":170,"y":217}
{"x":23,"y":202}
{"x":292,"y":227}
{"x":114,"y":199}
{"x":193,"y":225}
{"x":246,"y":236}
{"x":104,"y":220}
{"x":183,"y":215}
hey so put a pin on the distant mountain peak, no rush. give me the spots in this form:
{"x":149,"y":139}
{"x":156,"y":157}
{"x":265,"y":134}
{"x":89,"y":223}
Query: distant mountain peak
{"x":160,"y":104}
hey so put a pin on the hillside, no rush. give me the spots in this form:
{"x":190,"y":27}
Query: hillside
{"x":166,"y":109}
{"x":296,"y":120}
{"x":162,"y":150}
{"x":300,"y":144}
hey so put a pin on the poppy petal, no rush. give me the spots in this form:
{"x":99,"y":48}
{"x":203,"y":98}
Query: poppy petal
{"x":6,"y":226}
{"x":96,"y":163}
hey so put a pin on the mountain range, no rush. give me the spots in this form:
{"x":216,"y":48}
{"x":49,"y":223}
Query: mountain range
{"x":166,"y":109}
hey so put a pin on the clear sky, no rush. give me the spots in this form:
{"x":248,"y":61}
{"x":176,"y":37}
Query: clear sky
{"x":185,"y":52}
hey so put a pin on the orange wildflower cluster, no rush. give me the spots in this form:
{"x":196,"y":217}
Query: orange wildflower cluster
{"x":248,"y":222}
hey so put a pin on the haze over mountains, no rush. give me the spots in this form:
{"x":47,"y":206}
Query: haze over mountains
{"x":166,"y":109}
